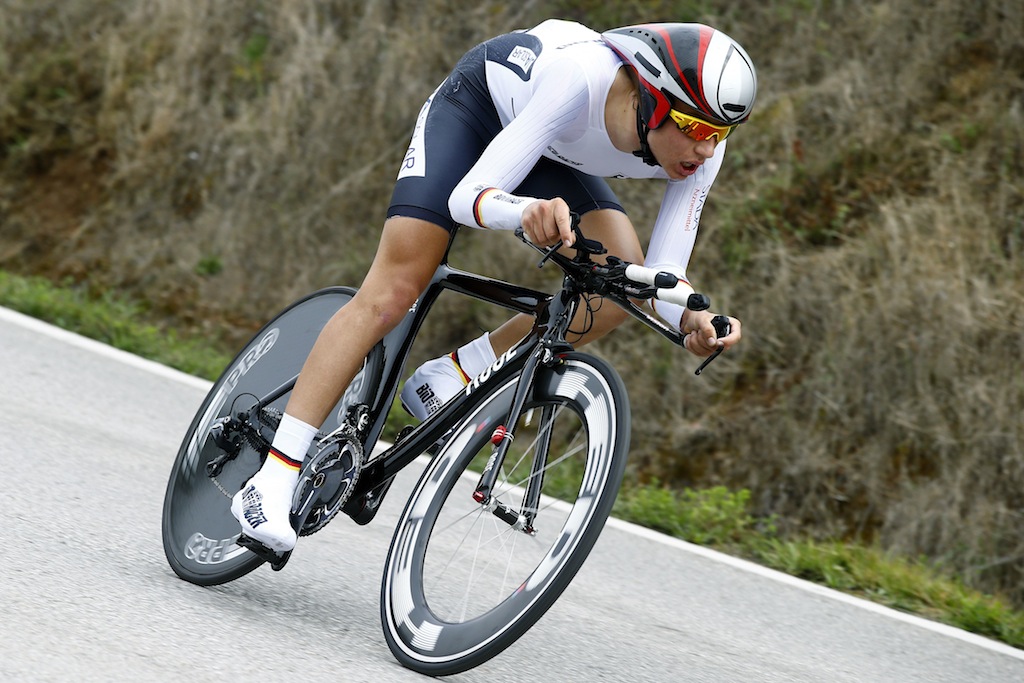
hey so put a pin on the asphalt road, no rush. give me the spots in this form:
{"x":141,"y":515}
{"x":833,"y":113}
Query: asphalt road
{"x":87,"y":438}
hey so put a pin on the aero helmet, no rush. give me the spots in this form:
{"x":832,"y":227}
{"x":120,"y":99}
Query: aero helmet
{"x":696,"y":64}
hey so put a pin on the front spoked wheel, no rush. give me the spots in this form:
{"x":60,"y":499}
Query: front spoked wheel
{"x":465,"y":579}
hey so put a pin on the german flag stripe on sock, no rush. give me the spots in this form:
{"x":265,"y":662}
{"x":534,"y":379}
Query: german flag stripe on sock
{"x":284,"y":459}
{"x":454,"y":355}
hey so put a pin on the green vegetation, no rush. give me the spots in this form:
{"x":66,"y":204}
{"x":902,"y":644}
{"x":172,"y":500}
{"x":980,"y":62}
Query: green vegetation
{"x":203,"y":164}
{"x":113,"y":320}
{"x":721,"y":519}
{"x":715,"y":517}
{"x":909,"y":586}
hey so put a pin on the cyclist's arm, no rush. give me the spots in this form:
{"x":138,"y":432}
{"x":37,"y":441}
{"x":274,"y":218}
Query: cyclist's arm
{"x":675,"y":230}
{"x":483,"y":198}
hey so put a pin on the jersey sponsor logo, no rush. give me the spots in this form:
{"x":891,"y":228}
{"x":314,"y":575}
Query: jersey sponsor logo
{"x":581,"y":42}
{"x":523,"y":57}
{"x":507,"y":198}
{"x":558,"y":155}
{"x":415,"y":162}
{"x":697,"y":200}
{"x":517,"y":52}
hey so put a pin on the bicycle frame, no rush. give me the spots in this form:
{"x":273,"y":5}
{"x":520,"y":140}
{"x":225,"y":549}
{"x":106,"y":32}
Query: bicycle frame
{"x":398,"y":343}
{"x":446,"y":604}
{"x":552,"y":312}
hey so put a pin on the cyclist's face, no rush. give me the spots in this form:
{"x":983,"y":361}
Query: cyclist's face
{"x":678,"y":153}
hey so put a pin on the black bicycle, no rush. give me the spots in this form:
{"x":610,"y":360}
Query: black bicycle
{"x":526,"y":461}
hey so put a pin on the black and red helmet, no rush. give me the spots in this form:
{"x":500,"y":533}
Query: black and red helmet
{"x":693,"y":63}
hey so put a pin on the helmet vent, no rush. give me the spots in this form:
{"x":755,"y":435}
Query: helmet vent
{"x":650,"y":67}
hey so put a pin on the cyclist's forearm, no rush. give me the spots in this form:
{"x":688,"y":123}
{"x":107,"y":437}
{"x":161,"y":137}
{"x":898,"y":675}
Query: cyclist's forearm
{"x":480,"y":205}
{"x":671,"y":313}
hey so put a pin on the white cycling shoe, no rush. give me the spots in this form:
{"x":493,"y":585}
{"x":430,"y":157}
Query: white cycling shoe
{"x":263,"y":509}
{"x":432,"y":385}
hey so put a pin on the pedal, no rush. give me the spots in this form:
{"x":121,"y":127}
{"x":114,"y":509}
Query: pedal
{"x":404,"y":432}
{"x":276,"y":560}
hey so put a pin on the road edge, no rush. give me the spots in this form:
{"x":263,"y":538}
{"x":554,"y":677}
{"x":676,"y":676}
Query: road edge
{"x":91,"y":345}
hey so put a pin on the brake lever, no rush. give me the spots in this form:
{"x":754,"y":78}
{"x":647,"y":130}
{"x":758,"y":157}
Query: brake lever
{"x":584,"y":247}
{"x":722,"y":329}
{"x":548,"y":254}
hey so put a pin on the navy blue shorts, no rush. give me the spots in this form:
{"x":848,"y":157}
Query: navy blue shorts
{"x":460,"y":122}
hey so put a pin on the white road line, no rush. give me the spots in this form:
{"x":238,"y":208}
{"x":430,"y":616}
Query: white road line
{"x":72,"y":339}
{"x":823,"y":591}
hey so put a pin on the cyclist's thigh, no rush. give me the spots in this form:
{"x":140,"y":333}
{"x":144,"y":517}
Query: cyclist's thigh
{"x":454,"y":128}
{"x":615,"y":231}
{"x":409,"y":252}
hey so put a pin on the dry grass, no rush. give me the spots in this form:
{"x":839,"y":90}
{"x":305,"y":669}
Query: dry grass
{"x":868,"y":228}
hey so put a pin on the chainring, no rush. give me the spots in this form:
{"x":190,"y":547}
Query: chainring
{"x":326,"y":481}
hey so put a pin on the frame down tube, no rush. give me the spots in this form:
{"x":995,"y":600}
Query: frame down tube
{"x":397,"y":346}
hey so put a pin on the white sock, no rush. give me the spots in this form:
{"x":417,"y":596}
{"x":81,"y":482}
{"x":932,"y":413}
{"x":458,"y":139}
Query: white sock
{"x":287,"y":451}
{"x":477,"y":355}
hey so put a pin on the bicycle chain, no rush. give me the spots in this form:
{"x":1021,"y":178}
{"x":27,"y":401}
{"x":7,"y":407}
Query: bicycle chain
{"x":270,"y":417}
{"x":220,"y":487}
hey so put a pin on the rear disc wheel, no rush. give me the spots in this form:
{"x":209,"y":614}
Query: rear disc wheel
{"x":199,"y":533}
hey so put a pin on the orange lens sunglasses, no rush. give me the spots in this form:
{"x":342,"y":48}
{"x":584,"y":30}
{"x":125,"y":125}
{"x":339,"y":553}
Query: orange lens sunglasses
{"x":698,"y":129}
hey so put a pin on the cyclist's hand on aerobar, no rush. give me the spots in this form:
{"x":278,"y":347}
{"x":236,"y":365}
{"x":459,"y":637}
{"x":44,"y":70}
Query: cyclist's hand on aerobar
{"x":546,"y":222}
{"x":701,"y":339}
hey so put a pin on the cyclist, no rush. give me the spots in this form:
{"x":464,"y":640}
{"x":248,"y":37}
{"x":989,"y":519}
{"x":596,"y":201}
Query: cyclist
{"x":523,"y":131}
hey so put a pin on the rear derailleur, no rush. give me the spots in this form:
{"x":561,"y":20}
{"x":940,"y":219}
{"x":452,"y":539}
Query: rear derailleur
{"x":327,"y":477}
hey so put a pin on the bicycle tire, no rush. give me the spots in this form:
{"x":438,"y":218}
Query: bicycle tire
{"x":434,"y":627}
{"x":198,"y":530}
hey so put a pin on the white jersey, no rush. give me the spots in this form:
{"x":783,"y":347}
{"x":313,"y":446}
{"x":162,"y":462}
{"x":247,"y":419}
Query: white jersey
{"x":552,"y":104}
